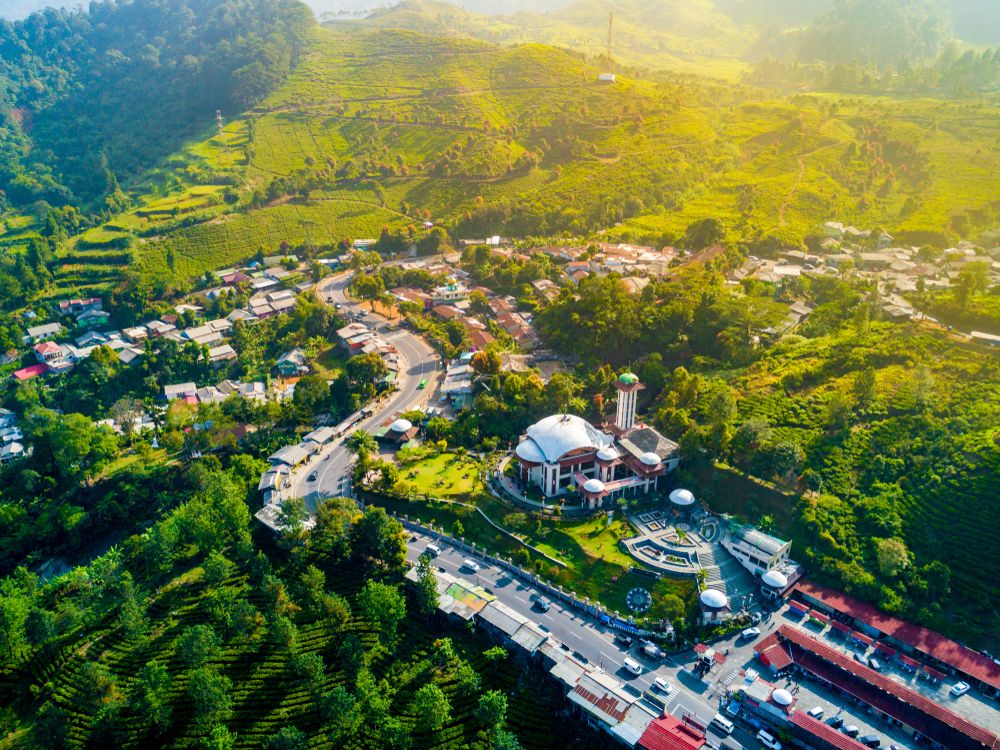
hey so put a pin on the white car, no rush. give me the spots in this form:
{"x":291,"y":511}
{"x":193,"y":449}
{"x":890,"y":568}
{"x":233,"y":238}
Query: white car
{"x":959,"y":688}
{"x":750,"y":633}
{"x":816,"y":712}
{"x":662,"y":685}
{"x":767,"y":740}
{"x":470,"y":565}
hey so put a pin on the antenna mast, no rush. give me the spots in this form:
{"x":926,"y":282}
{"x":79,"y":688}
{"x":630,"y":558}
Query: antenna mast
{"x":611,"y":20}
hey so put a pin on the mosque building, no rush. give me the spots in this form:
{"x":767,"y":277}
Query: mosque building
{"x":623,"y":458}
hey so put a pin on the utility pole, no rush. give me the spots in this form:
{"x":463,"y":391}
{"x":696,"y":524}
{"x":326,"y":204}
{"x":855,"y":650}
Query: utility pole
{"x":611,"y":20}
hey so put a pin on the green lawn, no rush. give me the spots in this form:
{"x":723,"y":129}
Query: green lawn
{"x":595,"y":566}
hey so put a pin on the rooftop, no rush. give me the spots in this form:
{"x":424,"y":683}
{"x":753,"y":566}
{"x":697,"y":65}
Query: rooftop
{"x":933,"y":644}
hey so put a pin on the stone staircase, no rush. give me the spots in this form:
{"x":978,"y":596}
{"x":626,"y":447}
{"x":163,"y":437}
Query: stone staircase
{"x":723,"y":572}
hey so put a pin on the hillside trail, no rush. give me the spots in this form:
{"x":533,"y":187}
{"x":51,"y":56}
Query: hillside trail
{"x":799,"y":180}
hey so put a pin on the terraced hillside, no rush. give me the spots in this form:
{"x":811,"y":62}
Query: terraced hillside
{"x":919,"y":461}
{"x":393,"y":127}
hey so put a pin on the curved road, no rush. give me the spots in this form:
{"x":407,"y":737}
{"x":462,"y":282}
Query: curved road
{"x":332,"y":466}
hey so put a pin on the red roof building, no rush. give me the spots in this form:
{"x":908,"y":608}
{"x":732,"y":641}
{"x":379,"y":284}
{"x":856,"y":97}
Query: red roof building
{"x":670,"y":733}
{"x":28,"y":373}
{"x":879,"y":691}
{"x":973,"y":665}
{"x":820,"y":736}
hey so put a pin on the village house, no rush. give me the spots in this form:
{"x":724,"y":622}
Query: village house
{"x":43,"y":332}
{"x":293,"y":363}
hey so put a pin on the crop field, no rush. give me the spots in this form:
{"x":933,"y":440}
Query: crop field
{"x":267,"y":695}
{"x":899,"y":457}
{"x":404,"y":125}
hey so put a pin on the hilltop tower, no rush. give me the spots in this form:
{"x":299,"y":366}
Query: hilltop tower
{"x":628,"y":386}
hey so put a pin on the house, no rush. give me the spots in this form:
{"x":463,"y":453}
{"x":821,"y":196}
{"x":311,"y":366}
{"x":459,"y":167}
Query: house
{"x":671,"y":733}
{"x":11,"y":452}
{"x":202,"y":335}
{"x":243,"y":315}
{"x":447,"y":312}
{"x":136,"y":334}
{"x":91,"y":338}
{"x":159,"y":327}
{"x":449,"y":293}
{"x":44,"y":332}
{"x":985,"y":338}
{"x":292,"y":364}
{"x":129,"y":354}
{"x":49,"y":351}
{"x":7,"y":418}
{"x":78,"y":306}
{"x":92,"y":319}
{"x":27,"y":373}
{"x":179,"y":390}
{"x":219,"y":355}
{"x":290,"y":455}
{"x":234,"y":278}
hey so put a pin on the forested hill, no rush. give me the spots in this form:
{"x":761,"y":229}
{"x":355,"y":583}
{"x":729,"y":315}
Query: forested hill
{"x":89,"y":97}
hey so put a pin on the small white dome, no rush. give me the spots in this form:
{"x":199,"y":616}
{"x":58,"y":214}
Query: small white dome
{"x":782,"y":697}
{"x":775,"y":579}
{"x":606,"y":454}
{"x":650,"y":459}
{"x":713,"y":599}
{"x":682,"y":497}
{"x":529,"y":451}
{"x":593,"y":485}
{"x":401,"y":425}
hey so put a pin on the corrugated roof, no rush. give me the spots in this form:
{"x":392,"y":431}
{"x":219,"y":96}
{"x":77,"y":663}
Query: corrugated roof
{"x":965,"y":660}
{"x":934,"y":720}
{"x":670,"y":733}
{"x":832,"y":737}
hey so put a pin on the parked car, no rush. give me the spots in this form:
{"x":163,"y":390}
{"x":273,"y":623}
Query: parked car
{"x":662,"y":685}
{"x":432,"y":550}
{"x":816,"y":712}
{"x":542,"y":604}
{"x":960,"y":688}
{"x":851,"y":730}
{"x":870,"y":740}
{"x":750,"y":633}
{"x":623,"y":640}
{"x":767,"y":740}
{"x":835,"y":721}
{"x":470,"y":565}
{"x":874,"y":664}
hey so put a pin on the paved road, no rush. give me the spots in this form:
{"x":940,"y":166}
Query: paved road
{"x":332,"y":466}
{"x":586,"y":636}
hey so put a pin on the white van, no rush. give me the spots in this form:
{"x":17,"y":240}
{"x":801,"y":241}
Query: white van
{"x":632,"y":666}
{"x":723,"y":724}
{"x":768,"y":741}
{"x":470,"y":565}
{"x":432,"y":550}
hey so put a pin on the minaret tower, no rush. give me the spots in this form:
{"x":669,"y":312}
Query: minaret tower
{"x":628,"y":386}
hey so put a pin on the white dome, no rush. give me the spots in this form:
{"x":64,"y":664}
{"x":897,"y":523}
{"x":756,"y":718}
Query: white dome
{"x":401,"y":425}
{"x":682,"y":497}
{"x":713,"y":599}
{"x":650,"y":459}
{"x":593,"y":485}
{"x":560,"y":434}
{"x":782,"y":697}
{"x":774,"y":579}
{"x":529,"y":451}
{"x":607,"y":454}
